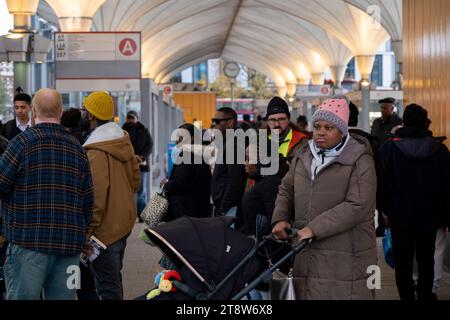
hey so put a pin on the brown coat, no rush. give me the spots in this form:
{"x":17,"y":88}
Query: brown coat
{"x":339,"y":207}
{"x":116,"y":179}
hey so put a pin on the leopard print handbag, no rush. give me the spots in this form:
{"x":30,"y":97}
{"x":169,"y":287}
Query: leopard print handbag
{"x":155,"y":209}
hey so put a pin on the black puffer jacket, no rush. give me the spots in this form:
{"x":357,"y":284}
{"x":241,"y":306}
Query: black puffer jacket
{"x":414,"y":180}
{"x":260,"y":200}
{"x":142,"y":142}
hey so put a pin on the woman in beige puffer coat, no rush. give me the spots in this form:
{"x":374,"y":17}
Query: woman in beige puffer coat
{"x":329,"y":195}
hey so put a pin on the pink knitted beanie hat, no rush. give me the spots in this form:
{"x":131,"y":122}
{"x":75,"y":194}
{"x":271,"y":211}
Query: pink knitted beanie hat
{"x":335,"y":111}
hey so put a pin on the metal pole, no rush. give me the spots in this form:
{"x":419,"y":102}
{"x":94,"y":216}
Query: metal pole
{"x":400,"y":108}
{"x":146,"y":102}
{"x":365,"y":97}
{"x":309,"y":113}
{"x":232,"y":93}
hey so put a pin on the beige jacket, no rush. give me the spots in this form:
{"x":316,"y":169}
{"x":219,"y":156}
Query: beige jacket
{"x":339,"y":207}
{"x":116,"y":179}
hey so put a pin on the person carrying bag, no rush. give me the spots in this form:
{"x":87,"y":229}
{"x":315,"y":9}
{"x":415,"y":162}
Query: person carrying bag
{"x":156,"y":209}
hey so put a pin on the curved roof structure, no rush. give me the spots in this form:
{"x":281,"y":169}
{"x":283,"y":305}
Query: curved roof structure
{"x":287,"y":40}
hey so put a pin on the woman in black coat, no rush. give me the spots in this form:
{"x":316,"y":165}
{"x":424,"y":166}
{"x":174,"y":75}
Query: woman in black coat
{"x":188,"y":187}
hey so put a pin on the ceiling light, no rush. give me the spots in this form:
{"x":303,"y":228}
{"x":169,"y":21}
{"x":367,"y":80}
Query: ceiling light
{"x":365,"y":83}
{"x":15,"y":35}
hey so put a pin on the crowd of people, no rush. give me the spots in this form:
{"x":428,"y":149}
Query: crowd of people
{"x":71,"y":180}
{"x":329,"y":184}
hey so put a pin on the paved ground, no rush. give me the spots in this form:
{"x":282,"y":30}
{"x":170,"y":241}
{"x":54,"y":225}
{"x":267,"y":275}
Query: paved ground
{"x":141,"y":265}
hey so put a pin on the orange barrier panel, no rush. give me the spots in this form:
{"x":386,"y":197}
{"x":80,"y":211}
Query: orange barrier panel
{"x":200,"y":106}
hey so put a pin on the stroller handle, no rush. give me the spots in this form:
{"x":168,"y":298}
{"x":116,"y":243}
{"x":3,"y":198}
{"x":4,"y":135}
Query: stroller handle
{"x":291,"y":232}
{"x":267,"y":273}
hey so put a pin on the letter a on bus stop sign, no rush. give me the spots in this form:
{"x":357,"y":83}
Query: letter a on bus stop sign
{"x":127,"y":47}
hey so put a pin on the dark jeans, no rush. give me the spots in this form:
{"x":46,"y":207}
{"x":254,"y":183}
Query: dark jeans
{"x":142,"y":195}
{"x":405,"y":244}
{"x":2,"y":278}
{"x":106,"y":270}
{"x":87,"y":290}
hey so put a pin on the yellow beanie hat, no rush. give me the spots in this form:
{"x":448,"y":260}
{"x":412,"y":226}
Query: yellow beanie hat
{"x":100,"y":104}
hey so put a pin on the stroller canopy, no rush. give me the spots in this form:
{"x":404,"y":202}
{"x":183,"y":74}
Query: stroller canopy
{"x":207,"y":246}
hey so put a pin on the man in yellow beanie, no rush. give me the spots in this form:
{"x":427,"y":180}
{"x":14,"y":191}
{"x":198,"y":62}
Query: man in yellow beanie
{"x":116,"y":178}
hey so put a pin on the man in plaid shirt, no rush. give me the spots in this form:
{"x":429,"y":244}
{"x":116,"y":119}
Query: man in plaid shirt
{"x":47,"y":193}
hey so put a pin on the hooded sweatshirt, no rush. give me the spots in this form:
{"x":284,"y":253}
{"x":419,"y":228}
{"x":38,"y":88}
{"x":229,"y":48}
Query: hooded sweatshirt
{"x":415,"y":181}
{"x":116,"y":179}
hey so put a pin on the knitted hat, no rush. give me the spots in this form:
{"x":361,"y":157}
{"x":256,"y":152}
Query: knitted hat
{"x":132,"y":113}
{"x":277,"y":105}
{"x":415,"y":116}
{"x":334,"y":111}
{"x":100,"y":104}
{"x":387,"y":100}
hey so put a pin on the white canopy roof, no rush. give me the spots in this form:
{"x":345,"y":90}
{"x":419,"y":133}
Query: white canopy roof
{"x":279,"y":38}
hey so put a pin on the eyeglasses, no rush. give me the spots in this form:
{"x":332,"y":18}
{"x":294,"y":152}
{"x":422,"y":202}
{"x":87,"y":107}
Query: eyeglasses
{"x":273,"y":120}
{"x":218,"y":121}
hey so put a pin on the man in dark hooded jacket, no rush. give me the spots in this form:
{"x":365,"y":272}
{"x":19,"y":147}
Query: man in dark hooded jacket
{"x":142,"y":144}
{"x":415,"y":187}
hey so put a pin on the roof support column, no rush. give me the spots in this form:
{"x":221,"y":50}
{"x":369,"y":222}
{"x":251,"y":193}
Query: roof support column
{"x":291,"y":88}
{"x":303,"y":82}
{"x":337,"y":75}
{"x":75,"y":23}
{"x":282,"y":91}
{"x":365,"y":64}
{"x":317,"y":79}
{"x":76,"y":15}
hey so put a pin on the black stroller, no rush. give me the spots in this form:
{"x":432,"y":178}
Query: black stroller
{"x":215,"y":262}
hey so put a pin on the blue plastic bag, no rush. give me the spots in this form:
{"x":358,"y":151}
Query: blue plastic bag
{"x":387,"y":248}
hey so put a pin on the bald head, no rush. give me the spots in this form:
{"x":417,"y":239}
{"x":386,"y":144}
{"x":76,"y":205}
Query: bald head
{"x":47,"y":104}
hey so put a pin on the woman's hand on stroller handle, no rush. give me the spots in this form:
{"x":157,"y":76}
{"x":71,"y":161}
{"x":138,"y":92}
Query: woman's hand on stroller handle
{"x":305,"y":233}
{"x":283,"y":231}
{"x":280,"y":229}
